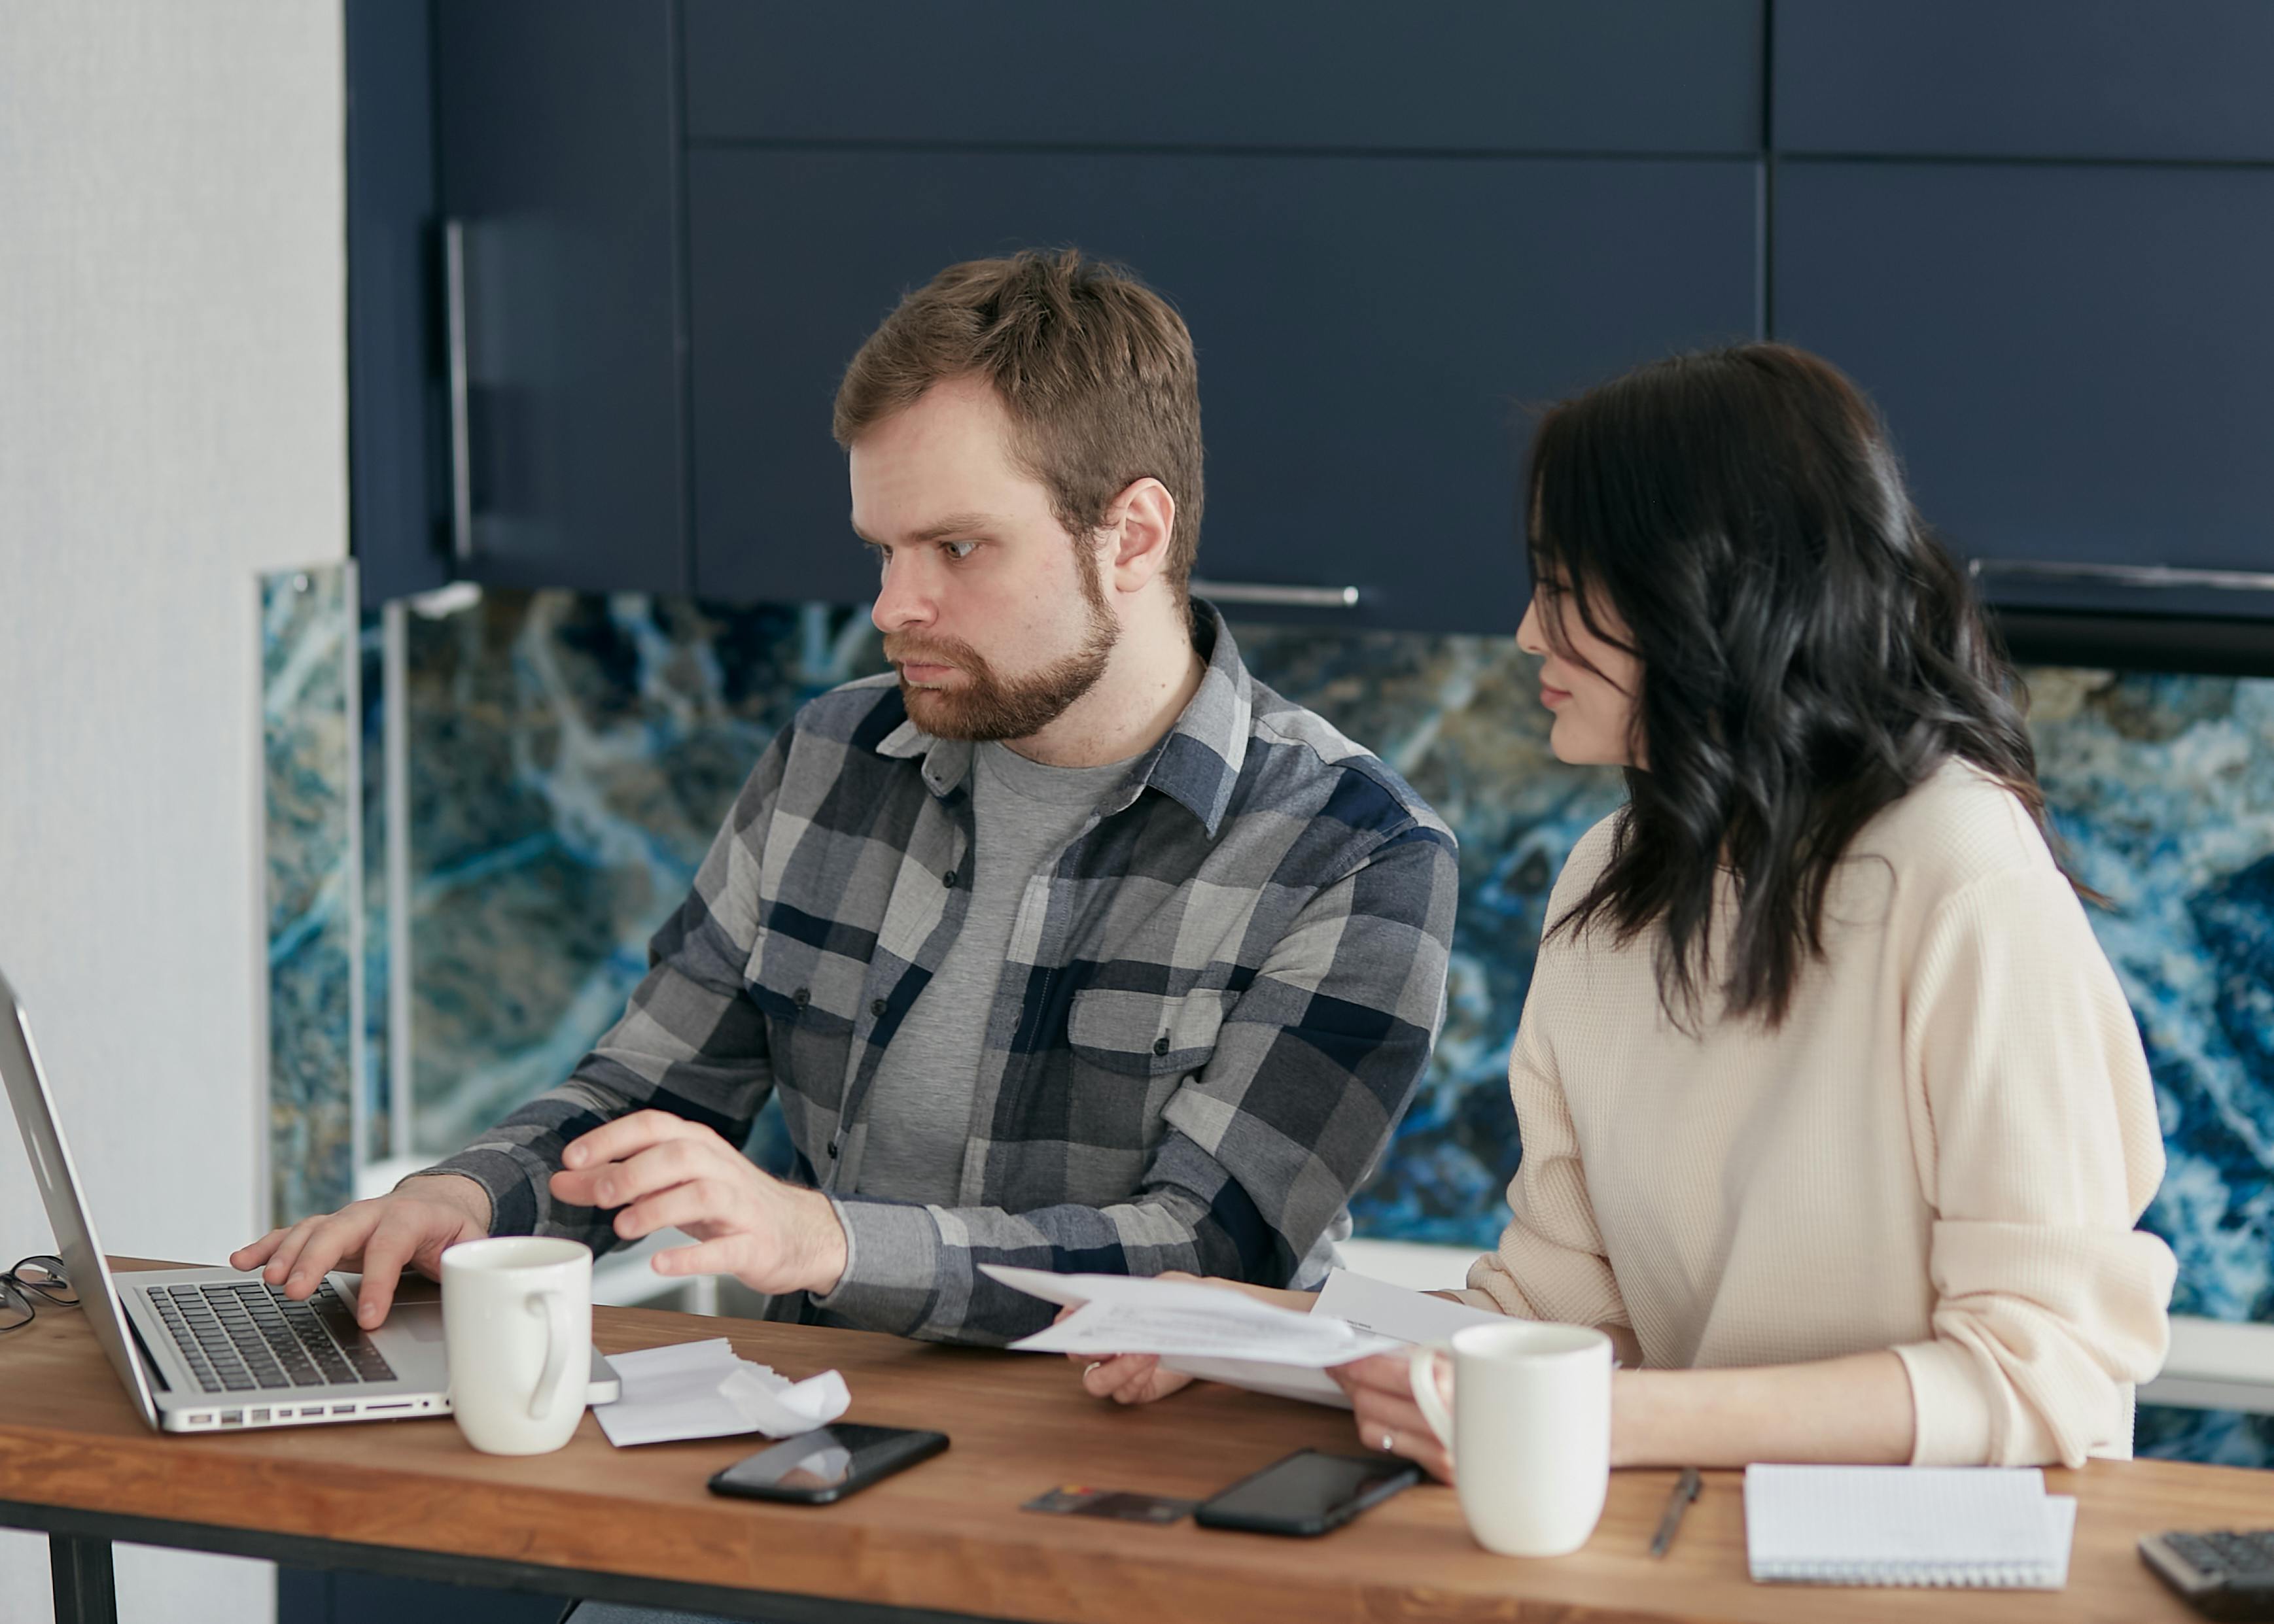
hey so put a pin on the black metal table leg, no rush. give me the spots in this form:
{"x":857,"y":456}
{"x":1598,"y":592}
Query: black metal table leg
{"x":86,"y":1593}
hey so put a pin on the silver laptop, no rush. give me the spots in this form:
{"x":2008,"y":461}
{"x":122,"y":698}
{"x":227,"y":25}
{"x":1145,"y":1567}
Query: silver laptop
{"x":201,"y":1349}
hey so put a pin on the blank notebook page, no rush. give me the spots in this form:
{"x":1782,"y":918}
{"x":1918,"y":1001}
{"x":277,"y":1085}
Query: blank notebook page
{"x":1906,"y":1525}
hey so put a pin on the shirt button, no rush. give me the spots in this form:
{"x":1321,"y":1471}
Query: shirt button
{"x":877,"y":1008}
{"x":832,"y":1150}
{"x":1160,"y":1046}
{"x":802,"y":997}
{"x":948,"y":879}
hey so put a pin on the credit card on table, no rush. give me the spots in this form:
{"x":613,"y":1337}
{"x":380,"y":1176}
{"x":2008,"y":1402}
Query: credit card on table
{"x":1075,"y":1500}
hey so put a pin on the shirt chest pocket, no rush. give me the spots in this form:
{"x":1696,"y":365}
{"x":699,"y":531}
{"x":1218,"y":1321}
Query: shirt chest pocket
{"x":795,"y":981}
{"x":1143,"y":1034}
{"x":808,"y":997}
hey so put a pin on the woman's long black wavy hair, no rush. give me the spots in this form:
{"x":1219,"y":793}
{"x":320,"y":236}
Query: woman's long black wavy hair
{"x":1809,"y":651}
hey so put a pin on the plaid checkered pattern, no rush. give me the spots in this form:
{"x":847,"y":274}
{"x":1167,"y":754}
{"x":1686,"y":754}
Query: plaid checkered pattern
{"x":1215,"y":1007}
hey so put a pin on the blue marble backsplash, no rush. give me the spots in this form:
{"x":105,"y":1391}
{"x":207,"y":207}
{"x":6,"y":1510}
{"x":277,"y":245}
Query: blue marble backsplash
{"x":571,"y":757}
{"x":309,"y":740}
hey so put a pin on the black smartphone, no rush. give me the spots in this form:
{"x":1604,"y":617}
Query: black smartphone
{"x":814,"y":1468}
{"x":1308,"y":1492}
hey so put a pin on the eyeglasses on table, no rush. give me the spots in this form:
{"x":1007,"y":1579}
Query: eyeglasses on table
{"x":33,"y":1281}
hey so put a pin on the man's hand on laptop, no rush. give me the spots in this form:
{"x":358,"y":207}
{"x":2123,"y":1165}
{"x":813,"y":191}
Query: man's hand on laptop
{"x":658,"y":1172}
{"x":409,"y":1225}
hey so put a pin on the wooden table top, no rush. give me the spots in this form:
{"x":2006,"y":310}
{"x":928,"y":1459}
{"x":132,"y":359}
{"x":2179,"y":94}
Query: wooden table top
{"x":948,"y":1535}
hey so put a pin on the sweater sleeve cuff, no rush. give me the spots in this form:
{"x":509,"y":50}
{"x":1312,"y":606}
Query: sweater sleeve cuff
{"x":891,"y":1265}
{"x":513,"y":1207}
{"x":1950,"y":1412}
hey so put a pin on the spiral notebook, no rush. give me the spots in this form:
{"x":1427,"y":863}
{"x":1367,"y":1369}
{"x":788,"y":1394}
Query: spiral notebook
{"x":1976,"y":1527}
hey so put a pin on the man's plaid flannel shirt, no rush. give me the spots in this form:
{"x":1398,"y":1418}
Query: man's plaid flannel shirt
{"x":1215,"y":1008}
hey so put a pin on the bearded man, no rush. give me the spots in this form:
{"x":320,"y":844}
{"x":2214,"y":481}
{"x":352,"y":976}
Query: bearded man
{"x":1068,"y":944}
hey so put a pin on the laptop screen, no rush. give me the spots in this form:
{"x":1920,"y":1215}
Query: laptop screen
{"x":58,"y":1181}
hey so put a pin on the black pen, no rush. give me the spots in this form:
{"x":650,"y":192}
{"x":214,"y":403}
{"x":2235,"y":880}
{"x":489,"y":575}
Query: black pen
{"x":1685,"y":1490}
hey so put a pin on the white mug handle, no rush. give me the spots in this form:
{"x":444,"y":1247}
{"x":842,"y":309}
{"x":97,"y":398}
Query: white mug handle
{"x":1421,"y":1366}
{"x":554,"y":1307}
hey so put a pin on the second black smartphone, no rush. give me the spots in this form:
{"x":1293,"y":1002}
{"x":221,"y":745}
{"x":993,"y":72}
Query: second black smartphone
{"x":815,"y":1467}
{"x":1308,"y":1492}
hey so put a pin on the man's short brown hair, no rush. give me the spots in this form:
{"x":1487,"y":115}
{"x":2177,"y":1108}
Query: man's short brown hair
{"x":1095,"y":368}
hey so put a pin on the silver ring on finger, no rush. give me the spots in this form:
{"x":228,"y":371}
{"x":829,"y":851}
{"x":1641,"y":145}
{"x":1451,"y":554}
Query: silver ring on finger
{"x":1390,"y":1443}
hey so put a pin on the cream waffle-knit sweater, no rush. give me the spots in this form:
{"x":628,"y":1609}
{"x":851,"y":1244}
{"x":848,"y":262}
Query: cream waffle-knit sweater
{"x":1941,"y":1150}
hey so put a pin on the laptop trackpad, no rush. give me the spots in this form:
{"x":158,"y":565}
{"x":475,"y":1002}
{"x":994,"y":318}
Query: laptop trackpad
{"x":417,"y":1309}
{"x":420,"y":1322}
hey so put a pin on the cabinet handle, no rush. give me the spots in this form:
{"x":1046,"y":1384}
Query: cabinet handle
{"x":1282,"y":597}
{"x":2156,"y":575}
{"x":462,"y":467}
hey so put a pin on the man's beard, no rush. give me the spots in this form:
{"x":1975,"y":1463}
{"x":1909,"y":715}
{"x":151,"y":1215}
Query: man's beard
{"x":988,"y":706}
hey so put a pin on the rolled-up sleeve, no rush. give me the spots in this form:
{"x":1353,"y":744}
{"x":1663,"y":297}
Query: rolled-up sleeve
{"x":2034,"y":1122}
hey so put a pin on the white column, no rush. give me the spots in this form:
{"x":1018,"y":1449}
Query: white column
{"x":172,"y":424}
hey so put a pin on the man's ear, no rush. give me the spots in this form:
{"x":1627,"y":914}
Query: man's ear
{"x":1140,"y":523}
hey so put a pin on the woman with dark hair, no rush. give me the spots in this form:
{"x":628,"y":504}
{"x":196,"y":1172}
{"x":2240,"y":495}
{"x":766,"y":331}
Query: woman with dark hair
{"x":1833,"y":1115}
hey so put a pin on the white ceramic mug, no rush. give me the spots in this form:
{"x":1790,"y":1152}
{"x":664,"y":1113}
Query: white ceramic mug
{"x":518,"y":1325}
{"x":1530,"y":1432}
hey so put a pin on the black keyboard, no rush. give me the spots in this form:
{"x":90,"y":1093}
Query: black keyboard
{"x":2222,"y":1574}
{"x":237,"y":1337}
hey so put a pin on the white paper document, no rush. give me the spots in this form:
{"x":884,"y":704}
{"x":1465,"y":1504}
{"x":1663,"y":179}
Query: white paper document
{"x":1221,"y":1336}
{"x":1102,"y":1329}
{"x":1413,"y":1317}
{"x":702,"y":1390}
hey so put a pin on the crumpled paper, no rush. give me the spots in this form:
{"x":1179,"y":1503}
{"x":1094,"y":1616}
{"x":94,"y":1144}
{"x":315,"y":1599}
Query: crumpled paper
{"x":702,"y":1390}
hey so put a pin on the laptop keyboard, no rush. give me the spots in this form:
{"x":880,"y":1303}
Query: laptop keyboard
{"x":237,"y":1337}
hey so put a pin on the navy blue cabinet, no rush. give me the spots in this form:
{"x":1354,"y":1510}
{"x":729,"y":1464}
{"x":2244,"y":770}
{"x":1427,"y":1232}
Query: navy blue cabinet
{"x":1624,"y":76}
{"x":396,"y":406}
{"x":1371,"y":332}
{"x":557,"y":129}
{"x":658,"y":228}
{"x":2068,"y":325}
{"x":306,"y":1596}
{"x":2175,"y":79}
{"x":2078,"y":360}
{"x":2038,"y":230}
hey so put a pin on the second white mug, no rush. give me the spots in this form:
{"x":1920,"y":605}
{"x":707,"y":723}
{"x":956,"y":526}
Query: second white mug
{"x":1530,"y":1432}
{"x":518,"y":1325}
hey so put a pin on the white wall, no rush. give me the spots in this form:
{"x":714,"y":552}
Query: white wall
{"x":172,"y":423}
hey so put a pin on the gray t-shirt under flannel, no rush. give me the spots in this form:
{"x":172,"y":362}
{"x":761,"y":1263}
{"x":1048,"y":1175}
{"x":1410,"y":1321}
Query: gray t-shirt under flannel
{"x":916,"y":1122}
